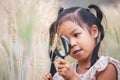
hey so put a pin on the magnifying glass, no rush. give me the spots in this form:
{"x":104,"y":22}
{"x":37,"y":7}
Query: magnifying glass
{"x":63,"y":47}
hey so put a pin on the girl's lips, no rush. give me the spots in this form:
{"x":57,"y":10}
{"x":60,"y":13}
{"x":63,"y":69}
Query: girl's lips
{"x":76,"y":52}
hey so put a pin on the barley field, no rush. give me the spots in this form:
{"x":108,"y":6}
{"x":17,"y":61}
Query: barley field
{"x":24,"y":37}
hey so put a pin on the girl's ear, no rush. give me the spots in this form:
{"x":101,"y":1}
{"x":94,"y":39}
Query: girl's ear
{"x":94,"y":31}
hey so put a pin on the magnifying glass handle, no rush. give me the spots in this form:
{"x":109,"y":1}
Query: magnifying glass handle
{"x":63,"y":57}
{"x":52,"y":68}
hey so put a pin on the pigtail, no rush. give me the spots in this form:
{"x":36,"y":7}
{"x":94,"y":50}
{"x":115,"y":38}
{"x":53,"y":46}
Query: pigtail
{"x":99,"y":17}
{"x":99,"y":13}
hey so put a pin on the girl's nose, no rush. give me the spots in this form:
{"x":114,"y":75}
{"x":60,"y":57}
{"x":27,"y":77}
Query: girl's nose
{"x":73,"y":43}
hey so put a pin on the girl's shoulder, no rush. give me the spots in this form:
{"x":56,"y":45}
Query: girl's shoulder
{"x":110,"y":67}
{"x":102,"y":64}
{"x":104,"y":61}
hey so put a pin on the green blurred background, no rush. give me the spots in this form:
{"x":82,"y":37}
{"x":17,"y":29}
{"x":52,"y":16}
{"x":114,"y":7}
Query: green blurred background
{"x":87,"y":2}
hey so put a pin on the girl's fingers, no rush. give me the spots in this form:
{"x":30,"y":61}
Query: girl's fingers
{"x":62,"y":61}
{"x":62,"y":71}
{"x":47,"y":77}
{"x":61,"y":64}
{"x":63,"y":67}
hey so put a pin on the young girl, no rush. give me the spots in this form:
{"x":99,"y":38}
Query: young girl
{"x":85,"y":33}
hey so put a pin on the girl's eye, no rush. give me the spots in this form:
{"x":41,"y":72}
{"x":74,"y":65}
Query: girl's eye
{"x":77,"y":35}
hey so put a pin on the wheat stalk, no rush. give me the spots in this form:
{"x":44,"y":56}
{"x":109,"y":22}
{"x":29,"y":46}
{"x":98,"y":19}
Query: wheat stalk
{"x":24,"y":41}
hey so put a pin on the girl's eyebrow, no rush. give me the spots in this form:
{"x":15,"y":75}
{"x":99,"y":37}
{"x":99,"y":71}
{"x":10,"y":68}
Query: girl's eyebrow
{"x":73,"y":31}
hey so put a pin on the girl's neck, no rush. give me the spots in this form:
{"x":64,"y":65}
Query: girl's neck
{"x":82,"y":67}
{"x":85,"y":64}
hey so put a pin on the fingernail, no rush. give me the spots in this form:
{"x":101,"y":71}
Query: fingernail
{"x":47,"y":76}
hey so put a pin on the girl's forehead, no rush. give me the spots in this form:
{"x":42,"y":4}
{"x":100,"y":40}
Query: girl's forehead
{"x":68,"y":27}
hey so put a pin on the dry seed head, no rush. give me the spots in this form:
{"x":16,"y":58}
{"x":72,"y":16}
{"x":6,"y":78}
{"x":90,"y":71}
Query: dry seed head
{"x":54,"y":44}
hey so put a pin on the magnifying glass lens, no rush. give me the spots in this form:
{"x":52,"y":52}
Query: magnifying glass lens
{"x":63,"y":47}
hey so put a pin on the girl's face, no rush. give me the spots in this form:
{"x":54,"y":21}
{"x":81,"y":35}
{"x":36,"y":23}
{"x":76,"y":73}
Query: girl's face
{"x":82,"y":41}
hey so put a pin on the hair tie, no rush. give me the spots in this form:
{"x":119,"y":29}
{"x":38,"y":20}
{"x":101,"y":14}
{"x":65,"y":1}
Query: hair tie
{"x":61,"y":10}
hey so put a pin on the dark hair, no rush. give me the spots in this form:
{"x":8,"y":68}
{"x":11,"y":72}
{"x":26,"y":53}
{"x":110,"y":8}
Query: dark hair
{"x":52,"y":32}
{"x":78,"y":15}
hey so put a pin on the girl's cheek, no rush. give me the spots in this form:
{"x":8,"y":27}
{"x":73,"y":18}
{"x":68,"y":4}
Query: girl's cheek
{"x":71,"y":54}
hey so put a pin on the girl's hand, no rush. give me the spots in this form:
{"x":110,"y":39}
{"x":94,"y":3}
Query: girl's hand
{"x":66,"y":71}
{"x":48,"y":77}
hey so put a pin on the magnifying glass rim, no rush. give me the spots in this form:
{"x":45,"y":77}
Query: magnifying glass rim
{"x":69,"y":46}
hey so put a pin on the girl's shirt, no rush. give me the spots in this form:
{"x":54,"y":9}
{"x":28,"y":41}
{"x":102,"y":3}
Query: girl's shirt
{"x":100,"y":65}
